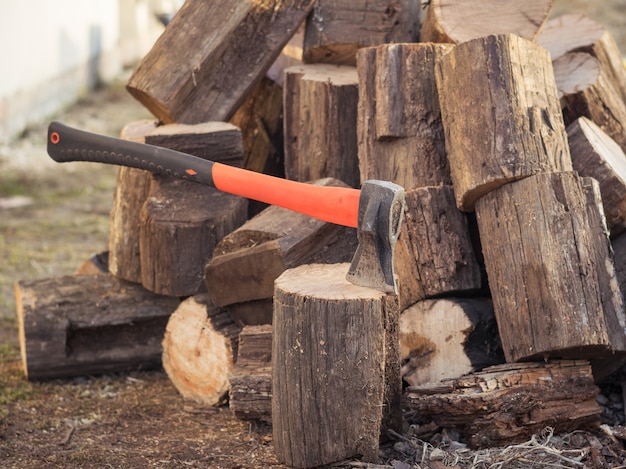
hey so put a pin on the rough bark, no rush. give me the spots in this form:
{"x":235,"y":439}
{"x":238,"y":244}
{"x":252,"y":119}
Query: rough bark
{"x":187,"y":76}
{"x":320,"y":123}
{"x":336,"y":29}
{"x":89,"y":324}
{"x":507,"y":85}
{"x":334,"y":343}
{"x":400,"y":133}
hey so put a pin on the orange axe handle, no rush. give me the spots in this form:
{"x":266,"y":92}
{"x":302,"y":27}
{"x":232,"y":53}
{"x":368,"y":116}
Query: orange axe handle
{"x":332,"y":204}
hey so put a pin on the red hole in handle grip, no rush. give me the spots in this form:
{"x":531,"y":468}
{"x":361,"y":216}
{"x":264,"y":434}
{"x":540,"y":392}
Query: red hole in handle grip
{"x":55,"y":137}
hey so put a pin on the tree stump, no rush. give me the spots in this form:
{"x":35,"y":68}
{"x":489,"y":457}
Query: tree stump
{"x":333,"y":343}
{"x":595,"y":154}
{"x":400,"y":134}
{"x":434,"y":253}
{"x":187,"y":76}
{"x":89,"y":324}
{"x":320,"y":123}
{"x":550,"y":269}
{"x":507,"y":404}
{"x":199,"y":349}
{"x":336,"y":29}
{"x":516,"y":130}
{"x":456,"y":22}
{"x":447,"y":338}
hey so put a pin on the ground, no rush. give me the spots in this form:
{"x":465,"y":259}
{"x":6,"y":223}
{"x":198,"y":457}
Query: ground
{"x":52,"y":218}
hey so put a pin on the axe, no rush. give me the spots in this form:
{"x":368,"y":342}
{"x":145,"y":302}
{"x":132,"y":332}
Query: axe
{"x":376,"y":210}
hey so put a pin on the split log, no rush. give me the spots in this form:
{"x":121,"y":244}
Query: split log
{"x":506,"y":84}
{"x":455,"y":22}
{"x":447,"y":338}
{"x":131,"y":191}
{"x":181,"y":223}
{"x":96,"y":264}
{"x":187,"y":76}
{"x":247,"y":261}
{"x":320,"y":123}
{"x":199,"y":349}
{"x":89,"y":324}
{"x":576,"y":32}
{"x":400,"y":134}
{"x":507,"y":404}
{"x":250,"y":396}
{"x":434,"y":253}
{"x":586,"y":90}
{"x":336,"y":29}
{"x":619,"y":249}
{"x":334,"y":343}
{"x":550,"y":268}
{"x":595,"y":154}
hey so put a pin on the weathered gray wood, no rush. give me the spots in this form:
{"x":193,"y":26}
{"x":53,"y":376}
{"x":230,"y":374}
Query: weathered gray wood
{"x":434,"y":253}
{"x":245,"y":263}
{"x":455,"y":22}
{"x":336,"y":29}
{"x":507,"y":404}
{"x":199,"y":349}
{"x":89,"y":324}
{"x":210,"y":56}
{"x":446,"y":338}
{"x":320,"y":123}
{"x":250,"y":395}
{"x":400,"y":133}
{"x":550,"y":269}
{"x":596,"y":155}
{"x":334,"y":345}
{"x":507,"y":85}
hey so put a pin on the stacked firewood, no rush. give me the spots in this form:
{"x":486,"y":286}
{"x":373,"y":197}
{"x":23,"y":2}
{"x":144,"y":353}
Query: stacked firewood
{"x":506,"y":131}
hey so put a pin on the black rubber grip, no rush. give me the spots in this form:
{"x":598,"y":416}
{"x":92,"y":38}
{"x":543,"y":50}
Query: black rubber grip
{"x":68,"y":144}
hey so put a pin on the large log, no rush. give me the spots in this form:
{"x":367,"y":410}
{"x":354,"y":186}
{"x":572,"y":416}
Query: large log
{"x":338,"y":28}
{"x":400,"y":134}
{"x":89,"y":324}
{"x":447,"y":338}
{"x":434,"y":253}
{"x":250,"y":396}
{"x":576,"y":32}
{"x":199,"y":349}
{"x":507,"y":404}
{"x":455,"y":22}
{"x":247,"y":261}
{"x":550,"y":268}
{"x":595,"y":154}
{"x":187,"y":76}
{"x":335,"y":367}
{"x":507,"y":85}
{"x":320,"y":123}
{"x":180,"y":225}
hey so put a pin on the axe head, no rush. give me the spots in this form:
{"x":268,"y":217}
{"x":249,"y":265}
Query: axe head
{"x":381,"y":210}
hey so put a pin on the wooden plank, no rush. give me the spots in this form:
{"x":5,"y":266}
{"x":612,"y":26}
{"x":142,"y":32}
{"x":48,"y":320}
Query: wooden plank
{"x":89,"y":324}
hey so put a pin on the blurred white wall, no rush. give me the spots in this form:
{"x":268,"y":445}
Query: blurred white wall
{"x":51,"y":52}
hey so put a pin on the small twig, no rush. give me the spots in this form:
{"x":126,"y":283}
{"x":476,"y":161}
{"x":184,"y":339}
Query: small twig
{"x":68,"y":435}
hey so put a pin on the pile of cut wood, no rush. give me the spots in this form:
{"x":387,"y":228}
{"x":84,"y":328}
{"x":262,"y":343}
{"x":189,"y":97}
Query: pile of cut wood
{"x":507,"y":132}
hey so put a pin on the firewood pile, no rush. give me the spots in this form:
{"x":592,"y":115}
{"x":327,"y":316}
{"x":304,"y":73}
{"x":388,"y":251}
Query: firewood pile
{"x":507,"y":131}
